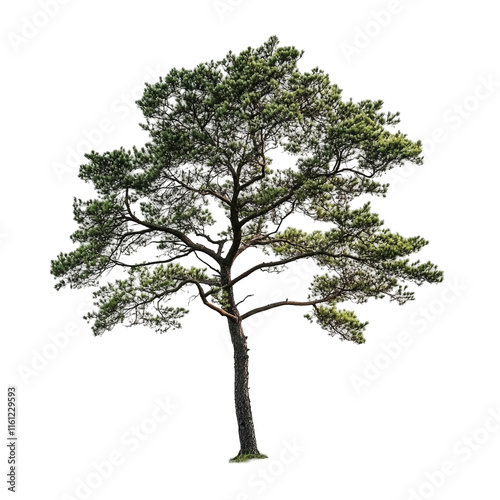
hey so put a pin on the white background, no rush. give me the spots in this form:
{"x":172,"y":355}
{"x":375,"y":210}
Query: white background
{"x":364,"y":425}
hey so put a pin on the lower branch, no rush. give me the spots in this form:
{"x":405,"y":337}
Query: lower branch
{"x":203,"y":297}
{"x":288,"y":303}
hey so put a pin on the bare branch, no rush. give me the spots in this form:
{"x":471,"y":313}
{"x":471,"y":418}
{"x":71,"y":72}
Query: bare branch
{"x":217,"y":271}
{"x":289,"y":303}
{"x":241,"y":301}
{"x":144,"y":264}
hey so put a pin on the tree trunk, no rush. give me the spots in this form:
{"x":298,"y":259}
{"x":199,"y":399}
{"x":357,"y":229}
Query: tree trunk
{"x":246,"y":431}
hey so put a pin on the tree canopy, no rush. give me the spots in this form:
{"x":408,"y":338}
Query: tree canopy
{"x":203,"y":190}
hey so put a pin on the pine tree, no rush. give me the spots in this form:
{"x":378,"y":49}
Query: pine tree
{"x":203,"y":191}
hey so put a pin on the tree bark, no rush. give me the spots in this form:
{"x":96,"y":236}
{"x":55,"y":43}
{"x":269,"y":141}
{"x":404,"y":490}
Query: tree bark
{"x":246,"y":430}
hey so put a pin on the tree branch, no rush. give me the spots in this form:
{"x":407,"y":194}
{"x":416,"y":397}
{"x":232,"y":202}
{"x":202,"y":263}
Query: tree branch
{"x":207,"y":264}
{"x":174,"y":232}
{"x":276,"y":263}
{"x":210,"y":305}
{"x":243,"y":300}
{"x":288,"y":303}
{"x":144,"y":264}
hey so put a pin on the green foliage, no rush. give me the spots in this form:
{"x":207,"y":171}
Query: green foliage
{"x":339,"y":322}
{"x":213,"y":132}
{"x":132,"y":299}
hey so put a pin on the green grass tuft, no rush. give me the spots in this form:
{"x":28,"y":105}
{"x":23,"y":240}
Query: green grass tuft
{"x":247,"y":456}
